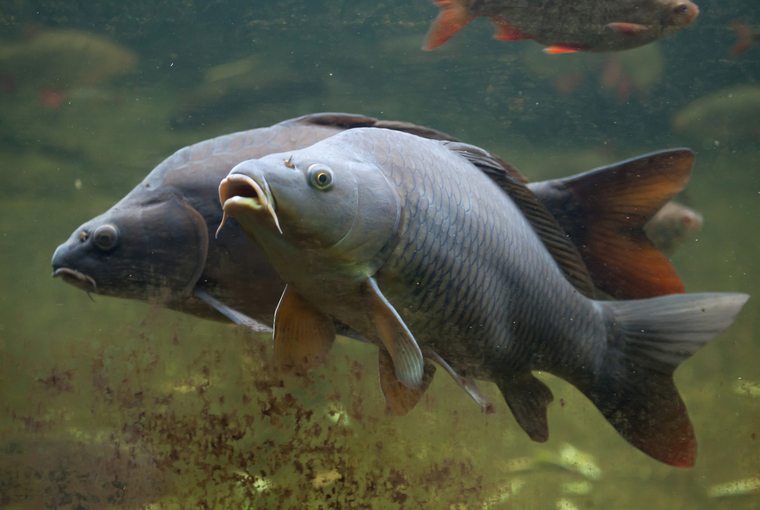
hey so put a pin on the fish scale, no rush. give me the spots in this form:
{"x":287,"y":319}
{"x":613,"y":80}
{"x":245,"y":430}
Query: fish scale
{"x":426,"y":254}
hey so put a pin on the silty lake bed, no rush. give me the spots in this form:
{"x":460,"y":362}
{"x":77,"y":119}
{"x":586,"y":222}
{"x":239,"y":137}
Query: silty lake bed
{"x":120,"y":404}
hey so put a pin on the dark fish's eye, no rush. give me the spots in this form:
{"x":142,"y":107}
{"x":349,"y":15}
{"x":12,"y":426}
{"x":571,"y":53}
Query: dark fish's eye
{"x":320,"y":176}
{"x":681,"y":9}
{"x":105,"y":237}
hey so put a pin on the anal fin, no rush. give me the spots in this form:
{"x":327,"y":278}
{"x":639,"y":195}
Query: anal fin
{"x":558,"y":49}
{"x":528,"y":398}
{"x":399,"y":399}
{"x":303,"y":336}
{"x":407,"y":357}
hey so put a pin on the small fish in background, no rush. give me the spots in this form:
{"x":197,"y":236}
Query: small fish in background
{"x":633,"y":72}
{"x":730,"y":114}
{"x":629,"y":73}
{"x":747,"y":37}
{"x":673,"y":226}
{"x":434,"y":259}
{"x":568,"y":26}
{"x":229,"y":89}
{"x":53,"y":62}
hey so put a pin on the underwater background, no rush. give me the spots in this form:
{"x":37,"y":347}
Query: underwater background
{"x":119,"y":404}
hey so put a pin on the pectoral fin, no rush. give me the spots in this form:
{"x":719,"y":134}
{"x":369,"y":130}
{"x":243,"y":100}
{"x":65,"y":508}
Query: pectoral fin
{"x":407,"y":357}
{"x":231,"y":314}
{"x":399,"y":399}
{"x":528,"y":398}
{"x":629,"y":28}
{"x":303,"y":336}
{"x":467,"y":384}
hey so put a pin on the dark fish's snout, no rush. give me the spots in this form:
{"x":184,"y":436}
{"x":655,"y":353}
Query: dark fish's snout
{"x":63,"y":265}
{"x":239,"y":193}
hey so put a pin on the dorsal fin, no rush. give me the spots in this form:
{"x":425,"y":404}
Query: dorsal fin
{"x":604,"y":212}
{"x":350,"y":121}
{"x":555,"y":240}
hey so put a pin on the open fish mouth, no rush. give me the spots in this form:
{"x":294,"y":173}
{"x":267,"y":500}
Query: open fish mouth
{"x":240,"y":191}
{"x":77,"y":279}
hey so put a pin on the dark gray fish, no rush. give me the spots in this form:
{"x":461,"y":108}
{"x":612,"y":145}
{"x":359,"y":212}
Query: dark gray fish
{"x":157,"y":243}
{"x":427,"y":256}
{"x":566,"y":26}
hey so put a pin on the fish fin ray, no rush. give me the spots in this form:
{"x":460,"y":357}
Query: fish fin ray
{"x":605,"y":212}
{"x":560,"y":246}
{"x":238,"y":318}
{"x":634,"y":388}
{"x":467,"y":384}
{"x":302,"y":336}
{"x":399,"y":399}
{"x":528,"y":399}
{"x":452,"y":18}
{"x":403,"y":348}
{"x":507,"y":32}
{"x":629,"y":28}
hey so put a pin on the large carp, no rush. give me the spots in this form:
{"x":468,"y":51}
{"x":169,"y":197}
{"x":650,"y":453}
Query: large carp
{"x":157,"y":244}
{"x":427,"y":256}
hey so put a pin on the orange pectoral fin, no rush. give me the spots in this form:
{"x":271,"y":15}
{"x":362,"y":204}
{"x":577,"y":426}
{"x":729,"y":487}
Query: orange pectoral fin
{"x":452,"y":18}
{"x":628,"y":28}
{"x":303,"y":336}
{"x":506,"y":32}
{"x":399,"y":399}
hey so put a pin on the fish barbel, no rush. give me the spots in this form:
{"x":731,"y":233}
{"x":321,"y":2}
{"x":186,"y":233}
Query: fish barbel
{"x":566,"y":26}
{"x":422,"y":253}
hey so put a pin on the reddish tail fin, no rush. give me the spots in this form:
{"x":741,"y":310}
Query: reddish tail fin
{"x":452,"y":18}
{"x":604,"y":212}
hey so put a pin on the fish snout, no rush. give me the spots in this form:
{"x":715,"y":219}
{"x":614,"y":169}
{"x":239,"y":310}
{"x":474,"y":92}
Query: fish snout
{"x":62,"y":267}
{"x":685,"y":12}
{"x":240,"y":193}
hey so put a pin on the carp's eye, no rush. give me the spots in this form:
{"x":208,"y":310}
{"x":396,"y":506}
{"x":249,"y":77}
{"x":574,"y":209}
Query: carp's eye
{"x":681,"y":9}
{"x":105,"y":237}
{"x":320,"y":176}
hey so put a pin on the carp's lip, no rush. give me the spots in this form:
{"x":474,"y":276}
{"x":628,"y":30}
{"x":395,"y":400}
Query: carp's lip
{"x":238,"y":192}
{"x":77,"y":279}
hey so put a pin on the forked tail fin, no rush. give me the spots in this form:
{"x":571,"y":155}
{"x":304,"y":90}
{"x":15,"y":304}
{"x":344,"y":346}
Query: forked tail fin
{"x":604,"y":211}
{"x":647,"y":340}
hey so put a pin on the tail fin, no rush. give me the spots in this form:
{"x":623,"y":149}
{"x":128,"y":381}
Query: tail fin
{"x":452,"y":18}
{"x":604,"y":212}
{"x":647,"y":340}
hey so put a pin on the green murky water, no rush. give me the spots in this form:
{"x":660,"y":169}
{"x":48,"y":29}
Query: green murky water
{"x":117,"y":404}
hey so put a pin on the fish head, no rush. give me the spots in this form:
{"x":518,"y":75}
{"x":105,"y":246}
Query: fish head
{"x":678,"y":14}
{"x":151,"y":250}
{"x":321,"y":210}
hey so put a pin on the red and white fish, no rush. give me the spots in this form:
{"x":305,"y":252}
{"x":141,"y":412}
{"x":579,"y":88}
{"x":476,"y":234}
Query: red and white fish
{"x":567,"y":26}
